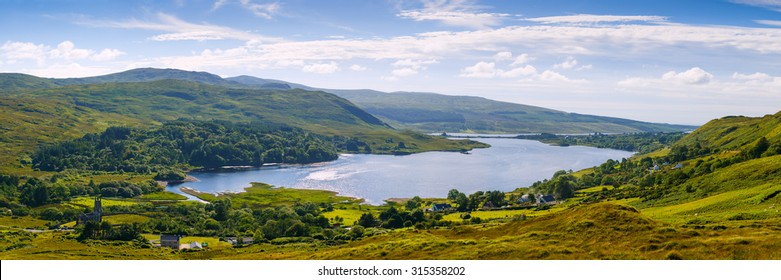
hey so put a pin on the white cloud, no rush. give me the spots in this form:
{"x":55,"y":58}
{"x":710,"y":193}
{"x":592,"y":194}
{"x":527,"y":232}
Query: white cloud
{"x":423,"y":49}
{"x":500,"y":56}
{"x":489,"y":70}
{"x":288,"y":63}
{"x":527,"y":70}
{"x":71,"y":70}
{"x":480,"y":70}
{"x":769,"y":22}
{"x":264,"y":10}
{"x":107,"y":54}
{"x":756,"y":77}
{"x":522,"y":59}
{"x":67,"y":50}
{"x":693,"y":76}
{"x":454,"y":12}
{"x":218,"y":4}
{"x":321,"y":68}
{"x":409,"y":67}
{"x":567,"y":64}
{"x":595,"y":19}
{"x":586,"y":67}
{"x":767,"y":4}
{"x":182,"y":30}
{"x":414,"y":63}
{"x":552,"y":76}
{"x":403,"y":72}
{"x":357,"y":68}
{"x":24,"y":50}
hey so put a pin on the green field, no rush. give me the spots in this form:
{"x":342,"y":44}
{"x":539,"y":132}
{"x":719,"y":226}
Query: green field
{"x":125,"y":219}
{"x":163,"y":196}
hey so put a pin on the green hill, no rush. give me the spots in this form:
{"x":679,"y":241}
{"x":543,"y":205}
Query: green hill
{"x":735,"y":132}
{"x":424,"y":112}
{"x":431,"y":112}
{"x":726,"y":173}
{"x":37,"y":110}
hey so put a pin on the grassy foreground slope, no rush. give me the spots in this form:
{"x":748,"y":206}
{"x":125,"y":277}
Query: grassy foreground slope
{"x":593,"y":231}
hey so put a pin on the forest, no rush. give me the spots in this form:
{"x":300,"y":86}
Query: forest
{"x":207,"y":144}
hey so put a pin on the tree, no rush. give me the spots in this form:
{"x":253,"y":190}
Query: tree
{"x":356,"y":232}
{"x":221,"y":208}
{"x":462,"y":201}
{"x":495,"y":197}
{"x":413,"y":203}
{"x":297,"y":229}
{"x":367,"y":220}
{"x":760,"y":147}
{"x":453,"y":194}
{"x":34,"y":193}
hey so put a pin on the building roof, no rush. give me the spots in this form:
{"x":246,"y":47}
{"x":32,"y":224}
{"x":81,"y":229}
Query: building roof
{"x":169,"y":237}
{"x":441,"y":206}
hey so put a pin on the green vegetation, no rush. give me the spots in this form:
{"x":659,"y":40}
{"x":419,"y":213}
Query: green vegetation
{"x":204,"y":144}
{"x":40,"y":111}
{"x":642,"y":143}
{"x":163,"y":196}
{"x":431,"y":112}
{"x":710,"y":194}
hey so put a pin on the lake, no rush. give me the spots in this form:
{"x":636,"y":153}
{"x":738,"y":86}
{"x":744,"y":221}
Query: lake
{"x":508,"y":164}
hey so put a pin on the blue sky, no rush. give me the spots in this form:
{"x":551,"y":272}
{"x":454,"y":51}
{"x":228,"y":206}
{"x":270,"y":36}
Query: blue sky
{"x":663,"y":61}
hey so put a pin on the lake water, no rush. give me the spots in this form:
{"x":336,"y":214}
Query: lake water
{"x":508,"y":164}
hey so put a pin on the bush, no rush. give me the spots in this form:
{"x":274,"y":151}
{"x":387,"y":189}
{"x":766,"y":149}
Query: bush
{"x":674,"y":256}
{"x":170,"y":175}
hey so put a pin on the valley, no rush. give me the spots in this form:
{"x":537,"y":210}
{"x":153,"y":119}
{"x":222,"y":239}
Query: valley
{"x":708,"y":194}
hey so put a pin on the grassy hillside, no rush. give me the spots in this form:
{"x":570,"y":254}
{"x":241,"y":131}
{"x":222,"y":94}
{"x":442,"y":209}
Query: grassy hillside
{"x":735,"y":132}
{"x":34,"y":120}
{"x":431,"y":112}
{"x":594,"y":231}
{"x":45,"y":113}
{"x":426,"y":112}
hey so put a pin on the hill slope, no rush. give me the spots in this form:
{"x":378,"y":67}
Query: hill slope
{"x":431,"y":112}
{"x":52,"y":113}
{"x":425,"y":112}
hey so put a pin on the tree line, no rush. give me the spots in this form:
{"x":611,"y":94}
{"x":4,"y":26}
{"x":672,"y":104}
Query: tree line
{"x":208,"y":144}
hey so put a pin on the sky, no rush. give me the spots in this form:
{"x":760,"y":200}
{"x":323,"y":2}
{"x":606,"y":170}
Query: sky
{"x":683,"y":62}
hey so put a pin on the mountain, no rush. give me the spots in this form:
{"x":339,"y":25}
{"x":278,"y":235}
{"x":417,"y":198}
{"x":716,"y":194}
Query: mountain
{"x":38,"y":110}
{"x":424,"y":112}
{"x":431,"y":112}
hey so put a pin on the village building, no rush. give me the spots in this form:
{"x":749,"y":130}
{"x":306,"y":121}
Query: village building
{"x":546,"y":200}
{"x":441,"y":207}
{"x":170,"y":241}
{"x":96,"y":215}
{"x":524,"y":199}
{"x":243,"y":241}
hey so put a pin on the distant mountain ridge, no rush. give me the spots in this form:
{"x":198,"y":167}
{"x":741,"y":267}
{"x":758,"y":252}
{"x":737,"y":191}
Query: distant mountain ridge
{"x":433,"y":112}
{"x":424,"y":112}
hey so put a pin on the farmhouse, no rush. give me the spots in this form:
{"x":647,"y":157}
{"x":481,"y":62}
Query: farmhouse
{"x":546,"y":200}
{"x":441,"y":207}
{"x":170,"y":241}
{"x":236,"y":241}
{"x":524,"y":199}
